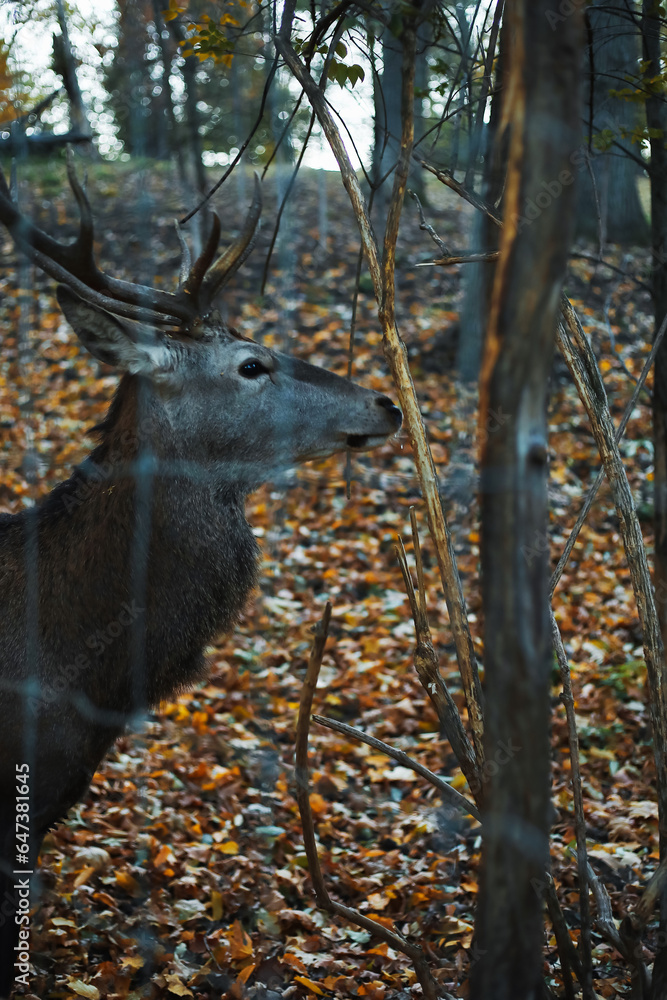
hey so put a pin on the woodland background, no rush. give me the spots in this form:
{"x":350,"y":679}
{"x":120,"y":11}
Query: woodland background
{"x":185,"y":872}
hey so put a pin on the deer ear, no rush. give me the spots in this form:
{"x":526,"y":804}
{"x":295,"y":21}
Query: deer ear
{"x":111,"y":341}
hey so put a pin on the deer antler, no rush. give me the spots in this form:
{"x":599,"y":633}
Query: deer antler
{"x":74,"y":264}
{"x":231,"y":260}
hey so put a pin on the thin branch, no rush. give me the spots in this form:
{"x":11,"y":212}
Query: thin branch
{"x":428,"y":670}
{"x":322,"y":26}
{"x":397,"y":358}
{"x":449,"y":794}
{"x":579,"y":357}
{"x":283,"y":203}
{"x":585,"y":974}
{"x":431,"y":989}
{"x":321,"y":630}
{"x":607,"y":926}
{"x":423,"y":224}
{"x":651,"y":894}
{"x":569,"y":959}
{"x":582,"y":255}
{"x":592,"y":493}
{"x":448,"y":258}
{"x":484,"y":257}
{"x":244,"y":145}
{"x":461,"y":191}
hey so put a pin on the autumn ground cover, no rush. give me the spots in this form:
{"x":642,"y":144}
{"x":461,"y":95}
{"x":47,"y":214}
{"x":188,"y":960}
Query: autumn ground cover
{"x":183,"y":871}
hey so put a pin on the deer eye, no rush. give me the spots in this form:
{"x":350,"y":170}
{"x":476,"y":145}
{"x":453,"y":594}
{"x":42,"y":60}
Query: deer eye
{"x":253,"y":369}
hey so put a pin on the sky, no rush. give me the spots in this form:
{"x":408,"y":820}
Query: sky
{"x":32,"y":52}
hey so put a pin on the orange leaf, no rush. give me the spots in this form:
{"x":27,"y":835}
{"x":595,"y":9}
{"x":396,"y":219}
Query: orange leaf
{"x":310,"y":984}
{"x":239,"y":942}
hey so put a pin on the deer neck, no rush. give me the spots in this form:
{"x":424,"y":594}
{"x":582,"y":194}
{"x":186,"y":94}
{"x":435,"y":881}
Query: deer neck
{"x":133,"y":528}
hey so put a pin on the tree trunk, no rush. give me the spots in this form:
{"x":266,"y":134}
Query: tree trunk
{"x":543,"y":111}
{"x":387,"y":120}
{"x":192,"y":117}
{"x":168,"y":135}
{"x":478,"y":278}
{"x":656,"y":120}
{"x":65,"y":66}
{"x":611,"y":209}
{"x":387,"y":102}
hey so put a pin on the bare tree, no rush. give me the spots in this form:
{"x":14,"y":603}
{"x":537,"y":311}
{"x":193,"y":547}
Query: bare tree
{"x":542,"y":106}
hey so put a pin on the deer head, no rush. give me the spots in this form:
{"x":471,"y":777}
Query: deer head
{"x":237,"y":412}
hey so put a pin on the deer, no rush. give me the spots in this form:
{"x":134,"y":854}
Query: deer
{"x":147,"y":542}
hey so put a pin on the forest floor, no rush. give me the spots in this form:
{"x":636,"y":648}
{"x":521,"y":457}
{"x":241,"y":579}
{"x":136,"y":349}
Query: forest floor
{"x":183,"y":871}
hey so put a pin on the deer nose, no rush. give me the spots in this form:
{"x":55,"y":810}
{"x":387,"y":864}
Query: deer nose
{"x":393,"y":411}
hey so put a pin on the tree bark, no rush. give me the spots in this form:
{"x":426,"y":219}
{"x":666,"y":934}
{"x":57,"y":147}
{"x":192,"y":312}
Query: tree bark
{"x":168,"y":134}
{"x":610,"y":209}
{"x":543,"y":111}
{"x":66,"y":67}
{"x":387,"y":105}
{"x":656,"y":120}
{"x":192,"y":116}
{"x":478,"y":278}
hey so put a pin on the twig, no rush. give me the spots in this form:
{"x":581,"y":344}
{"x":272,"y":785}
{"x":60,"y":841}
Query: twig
{"x":430,"y":987}
{"x":397,"y":358}
{"x":462,"y":192}
{"x":448,"y":793}
{"x":579,"y":357}
{"x":428,"y":671}
{"x":423,"y":224}
{"x":447,"y":258}
{"x":607,"y":927}
{"x":581,"y":255}
{"x":651,"y":893}
{"x":244,"y":145}
{"x":301,"y":753}
{"x":585,"y":974}
{"x":483,"y":257}
{"x":283,"y":203}
{"x":569,"y":959}
{"x":592,"y":493}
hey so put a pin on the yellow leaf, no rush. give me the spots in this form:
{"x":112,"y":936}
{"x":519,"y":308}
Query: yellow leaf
{"x":239,"y":942}
{"x":245,"y":974}
{"x":310,"y":984}
{"x":175,"y":985}
{"x":294,"y":961}
{"x":163,"y":855}
{"x":229,"y":847}
{"x":84,"y":989}
{"x":83,"y":876}
{"x":317,"y":803}
{"x":128,"y":882}
{"x":132,"y":962}
{"x":216,"y":905}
